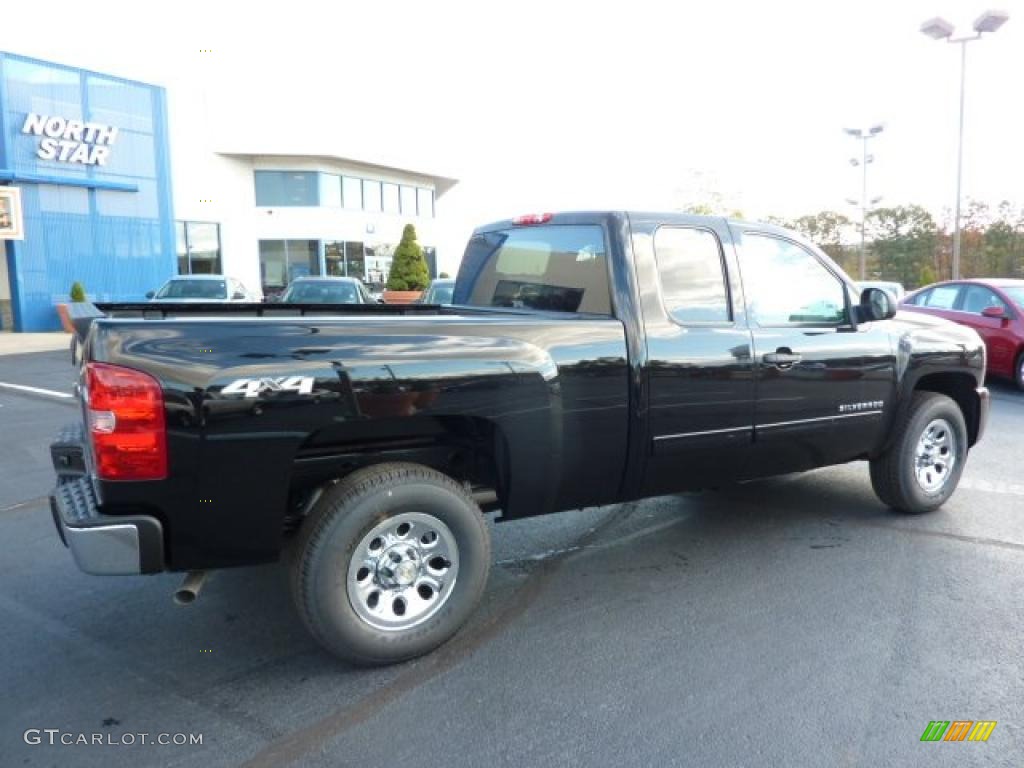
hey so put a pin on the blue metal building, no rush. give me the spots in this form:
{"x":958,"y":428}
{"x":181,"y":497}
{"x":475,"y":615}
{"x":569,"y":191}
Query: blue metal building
{"x":90,"y":155}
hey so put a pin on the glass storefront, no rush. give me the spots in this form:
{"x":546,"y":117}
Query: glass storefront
{"x":198,"y":247}
{"x":344,"y":259}
{"x":281,"y":261}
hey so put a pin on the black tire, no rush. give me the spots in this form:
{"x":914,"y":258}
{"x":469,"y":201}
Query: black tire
{"x":893,"y":474}
{"x":341,"y":520}
{"x":1018,"y":371}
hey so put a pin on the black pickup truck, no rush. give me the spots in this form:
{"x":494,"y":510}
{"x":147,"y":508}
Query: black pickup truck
{"x":589,"y":358}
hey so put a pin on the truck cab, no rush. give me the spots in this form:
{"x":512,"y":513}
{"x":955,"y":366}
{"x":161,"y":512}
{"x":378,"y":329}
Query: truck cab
{"x":587,"y":358}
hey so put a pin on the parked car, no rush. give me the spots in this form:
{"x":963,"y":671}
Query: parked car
{"x":327,"y":290}
{"x":202,"y":288}
{"x":994,"y":307}
{"x":896,"y":289}
{"x":590,"y":358}
{"x":439,"y":291}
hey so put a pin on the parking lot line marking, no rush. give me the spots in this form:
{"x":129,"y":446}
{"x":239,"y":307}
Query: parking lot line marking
{"x":22,"y":504}
{"x":992,"y":486}
{"x":35,"y":390}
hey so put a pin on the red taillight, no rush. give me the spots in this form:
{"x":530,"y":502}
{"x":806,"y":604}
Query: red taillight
{"x":532,"y":218}
{"x":126,"y":423}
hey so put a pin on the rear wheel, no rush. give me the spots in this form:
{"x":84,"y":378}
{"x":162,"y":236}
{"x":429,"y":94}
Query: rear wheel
{"x":1018,"y":371}
{"x":922,"y":467}
{"x":390,"y":564}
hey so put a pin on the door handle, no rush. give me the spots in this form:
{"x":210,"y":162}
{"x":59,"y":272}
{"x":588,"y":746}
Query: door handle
{"x":782,"y":357}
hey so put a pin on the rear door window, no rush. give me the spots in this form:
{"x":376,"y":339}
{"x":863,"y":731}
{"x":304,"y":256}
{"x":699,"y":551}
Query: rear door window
{"x":977,"y":298}
{"x":557,"y":268}
{"x":692,"y":275}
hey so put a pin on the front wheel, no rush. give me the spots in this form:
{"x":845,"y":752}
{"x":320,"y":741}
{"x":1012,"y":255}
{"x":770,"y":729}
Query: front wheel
{"x":922,"y":467}
{"x":390,"y":564}
{"x":1018,"y":371}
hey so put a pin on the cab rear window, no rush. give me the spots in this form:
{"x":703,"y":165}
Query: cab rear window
{"x":556,"y":268}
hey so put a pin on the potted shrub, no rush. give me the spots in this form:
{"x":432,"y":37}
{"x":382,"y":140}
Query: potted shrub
{"x":77,"y":296}
{"x":408,"y":276}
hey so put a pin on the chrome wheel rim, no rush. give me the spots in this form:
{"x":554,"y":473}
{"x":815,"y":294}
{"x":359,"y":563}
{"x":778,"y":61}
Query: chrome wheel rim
{"x":403,"y":571}
{"x":935,"y":456}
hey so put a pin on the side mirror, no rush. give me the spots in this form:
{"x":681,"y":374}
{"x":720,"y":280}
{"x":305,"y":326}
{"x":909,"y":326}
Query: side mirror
{"x":876,"y":304}
{"x":150,"y":294}
{"x":380,"y":301}
{"x":995,"y":312}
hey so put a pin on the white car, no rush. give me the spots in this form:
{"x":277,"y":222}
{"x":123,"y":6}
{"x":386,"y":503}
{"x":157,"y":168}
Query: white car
{"x":203,"y":288}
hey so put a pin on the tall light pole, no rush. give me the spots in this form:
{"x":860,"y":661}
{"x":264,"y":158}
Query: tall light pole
{"x":940,"y":29}
{"x":864,"y":137}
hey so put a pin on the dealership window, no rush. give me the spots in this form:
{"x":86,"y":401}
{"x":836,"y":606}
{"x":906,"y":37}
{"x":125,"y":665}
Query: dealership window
{"x":425,"y":201}
{"x":408,"y":195}
{"x":330,"y":190}
{"x":181,"y":247}
{"x":281,"y":261}
{"x":391,"y":201}
{"x":371,"y":196}
{"x":286,"y":188}
{"x":198,"y":247}
{"x":344,"y":259}
{"x":352,"y":193}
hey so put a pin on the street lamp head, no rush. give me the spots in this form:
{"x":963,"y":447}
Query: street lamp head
{"x":990,"y":21}
{"x":876,"y":129}
{"x":855,"y":132}
{"x":876,"y":200}
{"x":851,"y":201}
{"x":854,"y":162}
{"x":937,"y":28}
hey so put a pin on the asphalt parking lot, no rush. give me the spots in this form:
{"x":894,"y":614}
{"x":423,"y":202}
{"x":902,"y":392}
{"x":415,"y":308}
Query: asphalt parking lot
{"x":788,"y":622}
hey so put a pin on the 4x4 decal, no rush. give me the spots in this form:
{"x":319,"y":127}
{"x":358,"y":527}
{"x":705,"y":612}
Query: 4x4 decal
{"x":302,"y":385}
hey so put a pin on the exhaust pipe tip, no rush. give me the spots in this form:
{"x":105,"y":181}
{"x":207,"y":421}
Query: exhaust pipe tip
{"x":188,"y":592}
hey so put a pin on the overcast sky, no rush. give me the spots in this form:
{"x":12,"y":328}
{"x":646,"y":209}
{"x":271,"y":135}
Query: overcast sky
{"x":549,"y":105}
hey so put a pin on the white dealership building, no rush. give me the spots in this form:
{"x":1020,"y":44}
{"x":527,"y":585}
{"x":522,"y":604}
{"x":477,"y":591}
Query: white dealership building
{"x":268,"y":214}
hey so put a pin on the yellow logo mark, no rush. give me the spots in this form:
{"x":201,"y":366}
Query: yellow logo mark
{"x":982,"y":730}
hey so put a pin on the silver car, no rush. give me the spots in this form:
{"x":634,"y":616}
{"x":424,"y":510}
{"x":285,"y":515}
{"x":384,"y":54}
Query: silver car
{"x":203,"y":288}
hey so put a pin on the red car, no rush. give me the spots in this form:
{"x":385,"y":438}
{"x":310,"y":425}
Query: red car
{"x":994,"y":307}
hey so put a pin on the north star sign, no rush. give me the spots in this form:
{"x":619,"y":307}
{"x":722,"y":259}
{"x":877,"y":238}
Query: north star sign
{"x":70,"y":141}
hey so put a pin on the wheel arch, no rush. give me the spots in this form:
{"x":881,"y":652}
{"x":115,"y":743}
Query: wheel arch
{"x":961,"y":387}
{"x":472,"y":450}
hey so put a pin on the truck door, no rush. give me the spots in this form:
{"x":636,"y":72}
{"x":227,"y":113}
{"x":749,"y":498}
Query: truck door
{"x":823,"y":385}
{"x":698,"y":369}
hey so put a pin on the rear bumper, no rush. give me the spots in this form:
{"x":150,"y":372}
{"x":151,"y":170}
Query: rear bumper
{"x":984,"y":405}
{"x":101,"y":544}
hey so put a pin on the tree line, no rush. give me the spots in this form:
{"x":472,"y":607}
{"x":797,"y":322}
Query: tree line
{"x":906,"y":244}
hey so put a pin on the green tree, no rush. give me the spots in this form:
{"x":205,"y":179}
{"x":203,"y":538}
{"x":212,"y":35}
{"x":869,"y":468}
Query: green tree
{"x":408,"y":267}
{"x":77,"y":292}
{"x":905,"y":241}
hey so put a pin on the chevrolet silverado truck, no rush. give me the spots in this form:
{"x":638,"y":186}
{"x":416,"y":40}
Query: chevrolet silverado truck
{"x":586,"y":359}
